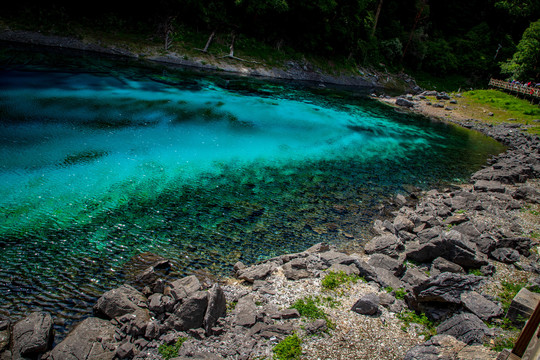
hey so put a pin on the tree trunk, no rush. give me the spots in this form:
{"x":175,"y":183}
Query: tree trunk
{"x":377,"y":17}
{"x":231,"y":53}
{"x":210,"y":38}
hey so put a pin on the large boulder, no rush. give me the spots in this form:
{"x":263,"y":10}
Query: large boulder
{"x":523,"y":305}
{"x":505,"y":255}
{"x":480,"y":306}
{"x":183,"y":288}
{"x":451,"y":246}
{"x":439,"y":347}
{"x":384,"y":244}
{"x":120,"y":301}
{"x":256,"y":272}
{"x":465,"y":327}
{"x":217,"y":306}
{"x":367,"y":304}
{"x":93,"y":338}
{"x":246,"y":311}
{"x":190,"y":313}
{"x":404,"y":102}
{"x":446,"y":287}
{"x":386,"y":262}
{"x":32,"y":335}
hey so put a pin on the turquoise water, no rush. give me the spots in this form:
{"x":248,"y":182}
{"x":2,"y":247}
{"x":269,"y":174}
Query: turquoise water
{"x":97,"y":167}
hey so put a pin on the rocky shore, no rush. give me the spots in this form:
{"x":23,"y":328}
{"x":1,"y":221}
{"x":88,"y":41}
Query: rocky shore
{"x":444,"y":254}
{"x":433,"y":270}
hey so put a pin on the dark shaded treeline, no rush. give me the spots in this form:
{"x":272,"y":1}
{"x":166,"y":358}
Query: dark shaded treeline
{"x":468,"y":37}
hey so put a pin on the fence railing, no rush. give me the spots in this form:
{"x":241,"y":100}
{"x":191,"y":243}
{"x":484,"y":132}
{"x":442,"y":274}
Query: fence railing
{"x":517,"y":88}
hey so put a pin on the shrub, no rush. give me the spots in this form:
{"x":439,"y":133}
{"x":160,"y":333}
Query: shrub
{"x":334,"y":279}
{"x":171,"y":351}
{"x":289,"y":348}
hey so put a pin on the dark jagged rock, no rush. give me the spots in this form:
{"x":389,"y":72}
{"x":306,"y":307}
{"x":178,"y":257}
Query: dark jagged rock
{"x":446,"y":287}
{"x":451,"y":246}
{"x":183,"y":288}
{"x":93,"y":338}
{"x":465,"y":327}
{"x":32,"y":335}
{"x":316,"y":326}
{"x":367,"y":304}
{"x":190,"y":313}
{"x":440,"y":347}
{"x":217,"y":306}
{"x":296,"y":269}
{"x":386,"y":262}
{"x":521,"y":244}
{"x":385,"y":244}
{"x":246,"y":312}
{"x":256,"y":272}
{"x":505,"y":255}
{"x":414,"y":277}
{"x":120,"y":301}
{"x":480,"y":306}
{"x":404,"y":102}
{"x":441,"y":265}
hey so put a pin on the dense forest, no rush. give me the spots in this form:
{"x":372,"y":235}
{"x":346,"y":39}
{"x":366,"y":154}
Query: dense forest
{"x":475,"y":38}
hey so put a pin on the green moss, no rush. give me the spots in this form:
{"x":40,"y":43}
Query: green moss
{"x":334,"y":279}
{"x":171,"y":351}
{"x":289,"y":348}
{"x":508,"y":292}
{"x":308,"y":308}
{"x":400,"y":294}
{"x":410,"y":317}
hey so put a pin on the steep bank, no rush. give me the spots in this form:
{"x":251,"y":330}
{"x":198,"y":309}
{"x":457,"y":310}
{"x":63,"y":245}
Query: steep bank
{"x":298,"y":71}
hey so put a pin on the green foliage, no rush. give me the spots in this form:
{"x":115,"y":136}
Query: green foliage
{"x":508,"y":292}
{"x":171,"y":351}
{"x":334,"y":279}
{"x":289,"y":348}
{"x":476,"y":272}
{"x":400,"y":294}
{"x":525,"y":64}
{"x":410,"y":317}
{"x":308,"y":308}
{"x":503,"y":342}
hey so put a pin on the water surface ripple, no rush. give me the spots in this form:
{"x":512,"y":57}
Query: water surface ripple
{"x":98,"y":167}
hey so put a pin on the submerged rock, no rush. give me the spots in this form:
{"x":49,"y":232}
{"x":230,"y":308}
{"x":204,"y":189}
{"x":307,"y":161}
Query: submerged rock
{"x":32,"y":335}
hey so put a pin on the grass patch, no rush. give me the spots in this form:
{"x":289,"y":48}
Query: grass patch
{"x":503,"y":342}
{"x":308,"y":308}
{"x":400,"y":294}
{"x":508,"y":292}
{"x":476,"y":272}
{"x":333,"y":279}
{"x":479,"y":103}
{"x":289,"y":348}
{"x":410,"y":317}
{"x":171,"y":351}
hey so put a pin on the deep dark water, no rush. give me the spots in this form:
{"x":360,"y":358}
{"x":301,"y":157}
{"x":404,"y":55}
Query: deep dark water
{"x":101,"y":161}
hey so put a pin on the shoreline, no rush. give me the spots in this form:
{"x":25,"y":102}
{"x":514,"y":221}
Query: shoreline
{"x":264,"y":292}
{"x":370,"y":80}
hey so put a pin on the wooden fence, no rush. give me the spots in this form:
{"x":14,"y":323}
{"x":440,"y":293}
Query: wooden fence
{"x":516,"y":88}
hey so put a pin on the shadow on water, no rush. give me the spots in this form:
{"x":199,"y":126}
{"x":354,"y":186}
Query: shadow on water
{"x":103,"y":161}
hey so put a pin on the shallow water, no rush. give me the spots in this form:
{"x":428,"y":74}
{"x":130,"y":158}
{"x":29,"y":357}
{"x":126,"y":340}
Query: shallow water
{"x":97,"y":167}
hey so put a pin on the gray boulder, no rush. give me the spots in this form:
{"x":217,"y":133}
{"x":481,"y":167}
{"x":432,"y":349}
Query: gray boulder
{"x":367,"y":305}
{"x":217,"y":306}
{"x":446,"y":287}
{"x":452,"y":246}
{"x":296,"y":269}
{"x":190,"y":313}
{"x":480,"y":306}
{"x":384,"y":244}
{"x":386,"y":278}
{"x":489,"y":186}
{"x":120,"y":301}
{"x":402,"y":223}
{"x":404,"y":102}
{"x":441,"y":265}
{"x":32,"y":335}
{"x":316,"y":326}
{"x":256,"y":272}
{"x":527,"y":193}
{"x":386,"y":262}
{"x":93,"y":338}
{"x":183,"y":288}
{"x":465,"y":327}
{"x":246,"y":312}
{"x":439,"y":347}
{"x":414,"y":277}
{"x":505,"y":255}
